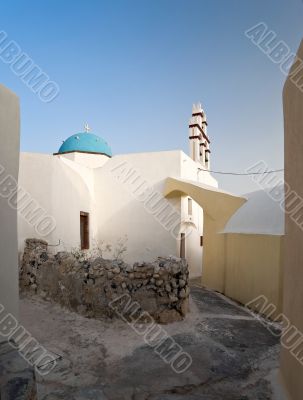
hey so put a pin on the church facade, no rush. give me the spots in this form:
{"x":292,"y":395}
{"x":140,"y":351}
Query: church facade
{"x":115,"y":202}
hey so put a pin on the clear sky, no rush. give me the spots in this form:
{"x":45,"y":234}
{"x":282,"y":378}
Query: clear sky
{"x":133,"y":68}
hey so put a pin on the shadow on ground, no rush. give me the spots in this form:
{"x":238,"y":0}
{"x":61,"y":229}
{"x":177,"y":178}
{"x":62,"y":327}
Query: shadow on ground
{"x":232,"y":354}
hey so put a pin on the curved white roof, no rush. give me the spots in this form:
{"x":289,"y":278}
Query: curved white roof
{"x":261,"y":214}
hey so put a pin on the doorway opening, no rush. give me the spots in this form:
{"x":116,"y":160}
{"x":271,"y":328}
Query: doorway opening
{"x":84,"y":230}
{"x":182,"y":246}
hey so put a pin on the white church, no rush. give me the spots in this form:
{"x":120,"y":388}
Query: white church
{"x":94,"y":197}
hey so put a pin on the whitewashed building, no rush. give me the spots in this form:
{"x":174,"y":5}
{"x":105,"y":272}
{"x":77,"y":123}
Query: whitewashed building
{"x":83,"y":196}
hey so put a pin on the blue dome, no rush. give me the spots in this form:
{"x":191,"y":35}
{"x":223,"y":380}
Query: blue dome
{"x":85,"y":142}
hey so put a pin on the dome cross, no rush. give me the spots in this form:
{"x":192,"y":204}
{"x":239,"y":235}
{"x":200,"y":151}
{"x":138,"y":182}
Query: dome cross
{"x":86,"y":128}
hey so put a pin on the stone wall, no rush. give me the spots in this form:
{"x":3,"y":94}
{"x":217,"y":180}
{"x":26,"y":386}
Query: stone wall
{"x":88,"y":286}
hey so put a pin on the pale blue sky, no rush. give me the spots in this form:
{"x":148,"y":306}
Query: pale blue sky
{"x":133,"y":68}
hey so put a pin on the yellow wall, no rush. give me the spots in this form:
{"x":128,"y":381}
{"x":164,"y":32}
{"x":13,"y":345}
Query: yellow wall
{"x":213,"y":262}
{"x":242,"y":266}
{"x":253,"y":267}
{"x":9,"y":165}
{"x":291,"y":369}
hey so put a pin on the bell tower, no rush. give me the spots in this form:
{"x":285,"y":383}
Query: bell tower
{"x":198,"y":138}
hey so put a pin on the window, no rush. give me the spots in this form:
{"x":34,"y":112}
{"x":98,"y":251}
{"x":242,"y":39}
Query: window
{"x":182,"y":246}
{"x":190,"y":207}
{"x":201,"y":241}
{"x":84,"y":230}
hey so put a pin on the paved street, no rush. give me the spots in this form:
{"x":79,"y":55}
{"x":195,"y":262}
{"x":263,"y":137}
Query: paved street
{"x":234,"y":356}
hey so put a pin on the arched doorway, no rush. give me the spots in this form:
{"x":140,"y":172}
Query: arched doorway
{"x":218,"y":207}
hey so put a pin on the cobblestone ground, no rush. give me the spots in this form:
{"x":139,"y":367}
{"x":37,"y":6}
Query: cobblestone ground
{"x":17,"y":377}
{"x":234,"y":356}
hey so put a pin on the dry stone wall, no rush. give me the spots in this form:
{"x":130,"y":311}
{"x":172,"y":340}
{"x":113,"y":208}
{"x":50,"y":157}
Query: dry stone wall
{"x":89,"y":286}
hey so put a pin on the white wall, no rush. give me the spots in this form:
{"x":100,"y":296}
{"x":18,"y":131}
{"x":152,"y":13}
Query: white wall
{"x":192,"y":226}
{"x":120,"y":213}
{"x":63,"y":189}
{"x":192,"y":170}
{"x":63,"y":186}
{"x":263,"y":213}
{"x":9,"y":159}
{"x":90,"y":161}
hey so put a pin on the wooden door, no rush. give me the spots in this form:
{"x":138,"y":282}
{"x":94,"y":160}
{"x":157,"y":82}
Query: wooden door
{"x":182,"y":246}
{"x":84,"y":230}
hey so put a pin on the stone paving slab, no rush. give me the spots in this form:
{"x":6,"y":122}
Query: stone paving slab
{"x":211,"y":302}
{"x":232,"y":355}
{"x":17,"y":378}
